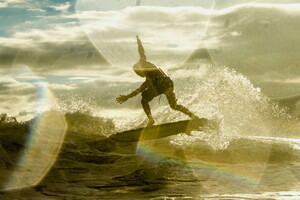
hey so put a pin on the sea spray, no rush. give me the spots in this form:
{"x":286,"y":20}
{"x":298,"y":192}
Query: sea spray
{"x":222,"y":93}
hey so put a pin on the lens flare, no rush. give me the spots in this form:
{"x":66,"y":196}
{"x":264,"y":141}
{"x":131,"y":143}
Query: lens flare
{"x":112,"y":28}
{"x":225,"y":172}
{"x":43,"y":143}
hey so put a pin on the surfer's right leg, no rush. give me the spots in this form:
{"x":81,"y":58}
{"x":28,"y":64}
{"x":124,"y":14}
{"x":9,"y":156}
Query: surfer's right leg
{"x":147,"y":96}
{"x":174,"y":105}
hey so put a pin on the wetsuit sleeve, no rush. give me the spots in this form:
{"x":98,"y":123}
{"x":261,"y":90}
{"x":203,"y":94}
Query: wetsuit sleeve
{"x":139,"y":90}
{"x":141,"y":48}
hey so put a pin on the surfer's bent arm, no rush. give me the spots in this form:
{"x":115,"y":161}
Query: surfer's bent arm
{"x":139,"y":90}
{"x":123,"y":98}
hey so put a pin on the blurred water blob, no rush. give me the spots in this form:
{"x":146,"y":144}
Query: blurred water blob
{"x":112,"y":28}
{"x":43,"y":142}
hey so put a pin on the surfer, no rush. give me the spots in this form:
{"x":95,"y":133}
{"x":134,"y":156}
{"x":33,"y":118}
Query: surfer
{"x":157,"y":83}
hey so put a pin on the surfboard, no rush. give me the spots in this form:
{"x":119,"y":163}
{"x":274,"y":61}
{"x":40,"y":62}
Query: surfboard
{"x":160,"y":131}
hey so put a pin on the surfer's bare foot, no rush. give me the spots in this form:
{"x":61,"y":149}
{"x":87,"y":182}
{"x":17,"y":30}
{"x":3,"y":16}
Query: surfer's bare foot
{"x":151,"y":122}
{"x":188,"y":133}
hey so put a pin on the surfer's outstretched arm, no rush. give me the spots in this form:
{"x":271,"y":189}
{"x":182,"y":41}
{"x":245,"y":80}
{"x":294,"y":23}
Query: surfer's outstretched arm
{"x":122,"y":98}
{"x":141,"y":48}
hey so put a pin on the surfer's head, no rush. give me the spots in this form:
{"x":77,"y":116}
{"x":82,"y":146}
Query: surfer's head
{"x":138,"y":69}
{"x":142,"y":67}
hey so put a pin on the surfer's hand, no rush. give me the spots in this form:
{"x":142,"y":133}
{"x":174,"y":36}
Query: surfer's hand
{"x":122,"y":98}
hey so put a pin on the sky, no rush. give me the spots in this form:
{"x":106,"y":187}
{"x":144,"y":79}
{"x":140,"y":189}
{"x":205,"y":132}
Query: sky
{"x":78,"y":46}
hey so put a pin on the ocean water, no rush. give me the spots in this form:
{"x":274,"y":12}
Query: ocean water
{"x":67,"y":154}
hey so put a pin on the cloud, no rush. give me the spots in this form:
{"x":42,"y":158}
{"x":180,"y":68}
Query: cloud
{"x":253,"y":38}
{"x":37,"y":10}
{"x":9,"y":83}
{"x":170,"y":35}
{"x":64,"y":45}
{"x":24,"y":94}
{"x":15,"y":95}
{"x":53,"y":50}
{"x":59,"y":87}
{"x":6,"y":3}
{"x":79,"y":78}
{"x":258,"y":40}
{"x":61,"y":7}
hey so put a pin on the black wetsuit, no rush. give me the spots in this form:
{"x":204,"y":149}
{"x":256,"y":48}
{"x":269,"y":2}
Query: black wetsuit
{"x":157,"y":83}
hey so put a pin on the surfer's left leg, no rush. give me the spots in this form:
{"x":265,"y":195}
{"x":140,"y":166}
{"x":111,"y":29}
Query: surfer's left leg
{"x":147,"y":110}
{"x":174,"y":105}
